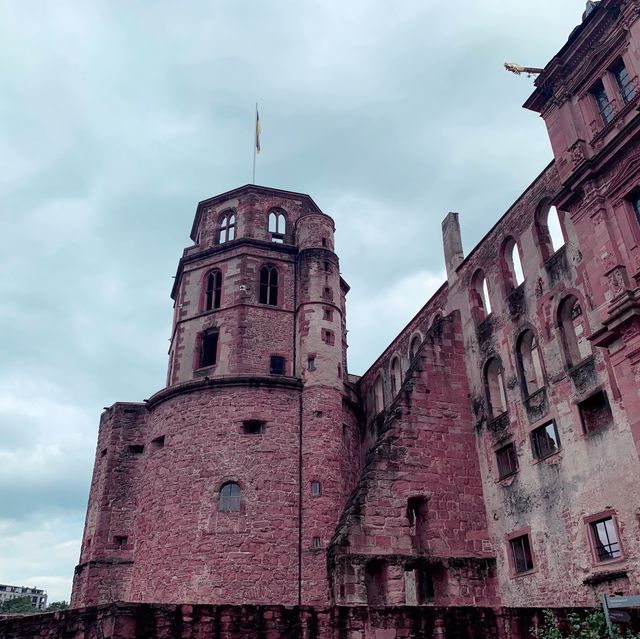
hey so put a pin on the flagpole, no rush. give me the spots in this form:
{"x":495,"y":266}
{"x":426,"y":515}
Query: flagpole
{"x":255,"y":144}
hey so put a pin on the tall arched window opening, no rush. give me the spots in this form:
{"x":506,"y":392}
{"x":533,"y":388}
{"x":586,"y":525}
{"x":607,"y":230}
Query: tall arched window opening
{"x":511,"y":265}
{"x":494,"y":385}
{"x":550,"y":234}
{"x":227,"y":228}
{"x":573,"y":331}
{"x":378,"y":395}
{"x":277,"y":226}
{"x":529,"y":363}
{"x":396,"y":376}
{"x":414,"y":347}
{"x":479,"y":297}
{"x":214,"y":290}
{"x":269,"y":285}
{"x":230,"y":497}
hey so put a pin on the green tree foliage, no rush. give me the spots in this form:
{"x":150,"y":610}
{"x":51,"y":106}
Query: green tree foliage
{"x":57,"y":605}
{"x":591,"y":626}
{"x":18,"y":605}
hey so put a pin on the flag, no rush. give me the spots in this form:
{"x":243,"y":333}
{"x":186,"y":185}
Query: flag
{"x":257,"y":131}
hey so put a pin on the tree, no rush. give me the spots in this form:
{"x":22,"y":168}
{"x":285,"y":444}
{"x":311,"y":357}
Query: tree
{"x":18,"y":605}
{"x":57,"y":605}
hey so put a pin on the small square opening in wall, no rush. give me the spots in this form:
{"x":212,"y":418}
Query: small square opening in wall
{"x":158,"y":442}
{"x":595,"y":412}
{"x":253,"y":427}
{"x":316,"y":543}
{"x":120,"y":540}
{"x":276,"y":366}
{"x":327,"y":314}
{"x":136,"y":449}
{"x":328,"y":337}
{"x":311,"y":363}
{"x":103,"y":452}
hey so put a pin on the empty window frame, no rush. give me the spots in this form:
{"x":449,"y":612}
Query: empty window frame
{"x":623,"y":80}
{"x":315,"y":488}
{"x":120,"y":540}
{"x":213,"y":291}
{"x":549,"y":230}
{"x":136,"y":449}
{"x":277,"y":365}
{"x":209,"y":348}
{"x":634,"y":200}
{"x":311,"y":362}
{"x":269,"y":285}
{"x":227,"y":227}
{"x":529,"y":363}
{"x":605,"y":108}
{"x":545,"y":440}
{"x":494,"y":388}
{"x":277,"y":226}
{"x":521,"y":554}
{"x":604,"y":536}
{"x":573,"y":331}
{"x":507,"y":459}
{"x":230,"y":497}
{"x":375,"y":577}
{"x":253,"y":427}
{"x":414,"y":347}
{"x":479,"y":297}
{"x":595,"y":412}
{"x":396,"y":376}
{"x":378,"y":394}
{"x":417,"y":513}
{"x":425,"y":591}
{"x":511,"y":265}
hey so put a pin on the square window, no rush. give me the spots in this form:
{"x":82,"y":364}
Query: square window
{"x":595,"y":412}
{"x":277,"y":365}
{"x":545,"y":440}
{"x":521,"y":554}
{"x":120,"y":540}
{"x":327,"y":314}
{"x":507,"y":459}
{"x":604,"y":536}
{"x":253,"y":427}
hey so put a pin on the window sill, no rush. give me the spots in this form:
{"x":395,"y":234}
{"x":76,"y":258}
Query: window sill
{"x":548,"y":457}
{"x":205,"y":370}
{"x":527,"y":573}
{"x":507,"y":480}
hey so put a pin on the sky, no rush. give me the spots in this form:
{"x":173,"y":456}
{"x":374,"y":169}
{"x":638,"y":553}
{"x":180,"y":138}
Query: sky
{"x":117,"y":117}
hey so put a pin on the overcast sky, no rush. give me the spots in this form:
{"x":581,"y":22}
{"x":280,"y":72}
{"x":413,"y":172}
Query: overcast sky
{"x":117,"y":117}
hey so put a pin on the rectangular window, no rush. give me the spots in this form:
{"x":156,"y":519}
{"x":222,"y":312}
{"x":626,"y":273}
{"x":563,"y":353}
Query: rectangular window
{"x":316,"y":543}
{"x":605,"y":539}
{"x":635,"y":203}
{"x":627,"y":90}
{"x":253,"y":427}
{"x":315,"y":488}
{"x":136,"y":449}
{"x":120,"y":540}
{"x":327,"y":314}
{"x":507,"y":461}
{"x":545,"y":440}
{"x":602,"y":100}
{"x":311,"y":363}
{"x":595,"y":412}
{"x":209,"y":348}
{"x":521,"y":554}
{"x":277,"y":365}
{"x":425,"y":592}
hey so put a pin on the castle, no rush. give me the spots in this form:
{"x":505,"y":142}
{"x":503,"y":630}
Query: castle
{"x":489,"y":456}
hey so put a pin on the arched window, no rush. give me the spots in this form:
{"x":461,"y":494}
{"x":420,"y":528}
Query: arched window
{"x":414,"y":347}
{"x":277,"y":226}
{"x":269,"y":285}
{"x":230,"y":497}
{"x":214,"y":290}
{"x":550,"y":235}
{"x":227,"y":227}
{"x":494,"y":385}
{"x":573,"y":330}
{"x":396,"y":376}
{"x":378,"y":395}
{"x":529,"y":363}
{"x":479,"y":297}
{"x":511,"y":265}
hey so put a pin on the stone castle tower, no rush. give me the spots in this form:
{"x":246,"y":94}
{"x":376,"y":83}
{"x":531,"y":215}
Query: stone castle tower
{"x":227,"y":484}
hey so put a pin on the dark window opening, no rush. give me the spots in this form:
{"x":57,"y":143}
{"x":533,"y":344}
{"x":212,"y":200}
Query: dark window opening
{"x":545,"y":440}
{"x":627,"y":90}
{"x":317,"y":543}
{"x":315,"y":488}
{"x":507,"y":461}
{"x":120,"y":540}
{"x":324,"y":241}
{"x":209,"y":348}
{"x":136,"y":449}
{"x":417,"y":520}
{"x":327,"y":314}
{"x":269,"y":285}
{"x":339,"y":371}
{"x":376,"y":583}
{"x":276,"y":367}
{"x":521,"y":554}
{"x":605,"y":539}
{"x":327,"y":267}
{"x":253,"y":427}
{"x":158,"y":442}
{"x":414,"y":347}
{"x":635,"y":203}
{"x":311,"y":363}
{"x":425,"y":592}
{"x":214,"y":290}
{"x":327,"y":293}
{"x":230,"y":497}
{"x":328,"y":337}
{"x":602,"y":100}
{"x":595,"y":412}
{"x":103,"y":452}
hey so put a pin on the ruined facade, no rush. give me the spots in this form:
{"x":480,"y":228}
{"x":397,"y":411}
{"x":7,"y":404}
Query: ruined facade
{"x":489,"y":457}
